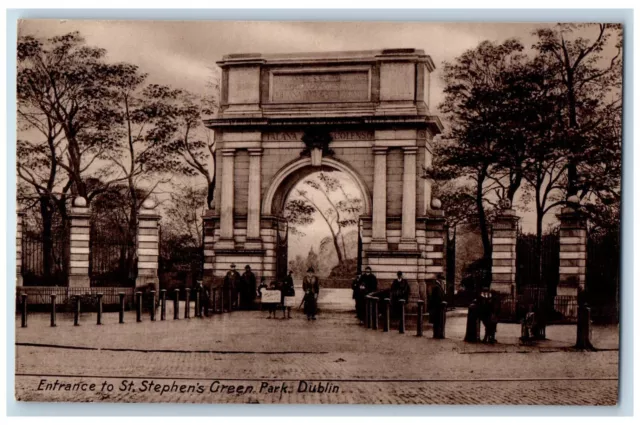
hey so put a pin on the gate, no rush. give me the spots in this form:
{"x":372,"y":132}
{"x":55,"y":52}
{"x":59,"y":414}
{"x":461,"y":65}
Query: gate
{"x":282,"y":263}
{"x":112,"y":259}
{"x":45,"y":260}
{"x":537,"y":276}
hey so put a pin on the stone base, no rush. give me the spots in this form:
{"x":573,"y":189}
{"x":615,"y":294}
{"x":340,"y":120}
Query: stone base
{"x":253,"y":244}
{"x":144,"y":281}
{"x":79,"y":281}
{"x":567,"y":291}
{"x":225,"y":244}
{"x":379,"y":245}
{"x":408,"y":245}
{"x":506,"y":288}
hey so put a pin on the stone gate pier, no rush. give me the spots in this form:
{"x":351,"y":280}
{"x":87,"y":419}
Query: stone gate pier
{"x":283,"y":117}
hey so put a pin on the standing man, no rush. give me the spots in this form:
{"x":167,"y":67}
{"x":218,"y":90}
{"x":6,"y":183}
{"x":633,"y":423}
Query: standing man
{"x":434,"y":302}
{"x":248,"y":294}
{"x":400,"y":290}
{"x":288,"y":295}
{"x":370,"y":283}
{"x":230,"y":287}
{"x":311,"y":288}
{"x":355,"y":287}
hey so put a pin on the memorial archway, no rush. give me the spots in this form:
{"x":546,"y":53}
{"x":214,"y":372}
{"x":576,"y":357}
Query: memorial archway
{"x":282,"y":189}
{"x":363,"y":113}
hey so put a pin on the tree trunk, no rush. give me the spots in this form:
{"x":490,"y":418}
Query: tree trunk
{"x":482,"y":218}
{"x":538,"y":248}
{"x":46,"y":212}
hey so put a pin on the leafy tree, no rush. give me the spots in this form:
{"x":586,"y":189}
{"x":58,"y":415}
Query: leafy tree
{"x":589,"y":76}
{"x":477,"y":146}
{"x":68,"y":85}
{"x":342,"y":210}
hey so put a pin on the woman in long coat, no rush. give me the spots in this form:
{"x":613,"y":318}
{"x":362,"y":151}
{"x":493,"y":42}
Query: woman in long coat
{"x":311,"y":288}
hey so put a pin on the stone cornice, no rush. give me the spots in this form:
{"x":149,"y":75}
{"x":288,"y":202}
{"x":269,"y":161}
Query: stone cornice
{"x":428,"y":121}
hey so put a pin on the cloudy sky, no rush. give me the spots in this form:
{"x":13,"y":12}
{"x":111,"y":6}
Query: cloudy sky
{"x":181,"y":53}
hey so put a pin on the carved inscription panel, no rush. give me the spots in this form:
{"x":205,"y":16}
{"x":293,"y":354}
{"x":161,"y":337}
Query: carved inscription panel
{"x":318,"y":87}
{"x":296,"y":136}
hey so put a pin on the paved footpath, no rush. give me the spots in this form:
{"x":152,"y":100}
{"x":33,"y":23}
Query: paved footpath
{"x":242,"y":357}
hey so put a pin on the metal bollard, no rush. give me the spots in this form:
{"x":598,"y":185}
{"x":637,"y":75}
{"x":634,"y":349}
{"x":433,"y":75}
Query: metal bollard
{"x":187,"y":301}
{"x":443,"y":319}
{"x":387,"y":315}
{"x":420,"y":326}
{"x":472,"y":333}
{"x":402,"y":318}
{"x":198,"y":309}
{"x":152,"y":312}
{"x":163,"y":304}
{"x":121,"y":312}
{"x":138,"y":306}
{"x":214,"y":300}
{"x":99,"y":317}
{"x":374,"y":312}
{"x":53,"y":310}
{"x":367,"y":305}
{"x":76,"y":313}
{"x":23,"y":310}
{"x":176,"y":304}
{"x":583,"y":340}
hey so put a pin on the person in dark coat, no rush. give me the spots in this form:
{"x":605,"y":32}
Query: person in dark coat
{"x":434,"y":302}
{"x":204,"y":297}
{"x":355,"y":289}
{"x":287,"y":294}
{"x":230,"y":288}
{"x":311,"y":288}
{"x":369,"y":285}
{"x":248,"y":295}
{"x":400,"y":290}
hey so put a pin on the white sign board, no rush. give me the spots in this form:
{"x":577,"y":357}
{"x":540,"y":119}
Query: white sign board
{"x":270,"y":296}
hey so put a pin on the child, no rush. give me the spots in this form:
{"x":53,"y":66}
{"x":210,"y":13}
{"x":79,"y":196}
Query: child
{"x":272,"y":307}
{"x":263,"y":285}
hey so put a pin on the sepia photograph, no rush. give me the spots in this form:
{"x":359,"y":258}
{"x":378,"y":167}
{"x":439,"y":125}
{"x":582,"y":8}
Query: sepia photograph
{"x":265,"y":212}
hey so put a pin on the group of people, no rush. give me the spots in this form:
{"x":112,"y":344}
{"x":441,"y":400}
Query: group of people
{"x":241,"y":292}
{"x":367,"y":284}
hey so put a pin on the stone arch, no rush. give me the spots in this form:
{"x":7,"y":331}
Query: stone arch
{"x":288,"y":176}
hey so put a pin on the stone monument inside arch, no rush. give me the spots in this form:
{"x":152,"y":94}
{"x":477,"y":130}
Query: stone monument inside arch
{"x":282,"y":117}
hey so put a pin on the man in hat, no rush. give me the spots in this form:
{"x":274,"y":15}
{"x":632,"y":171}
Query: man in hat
{"x":229,"y":288}
{"x":311,"y":289}
{"x":434,"y":302}
{"x":400,"y":290}
{"x":369,"y":285}
{"x":248,"y":294}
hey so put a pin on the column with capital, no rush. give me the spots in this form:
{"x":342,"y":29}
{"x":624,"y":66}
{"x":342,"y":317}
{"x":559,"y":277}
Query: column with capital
{"x":409,"y":184}
{"x":253,"y":202}
{"x":379,"y":220}
{"x":226,"y":208}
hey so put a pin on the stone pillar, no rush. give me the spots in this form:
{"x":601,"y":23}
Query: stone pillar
{"x":503,"y":257}
{"x":253,"y":207}
{"x":379,"y":219}
{"x":226,"y":207}
{"x":19,"y":230}
{"x":409,"y":183}
{"x":79,"y":249}
{"x":573,"y":247}
{"x":148,"y":245}
{"x":435,"y":237}
{"x":209,"y":224}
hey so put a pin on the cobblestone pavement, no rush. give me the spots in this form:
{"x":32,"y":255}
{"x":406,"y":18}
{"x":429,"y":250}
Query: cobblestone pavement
{"x":363,"y":366}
